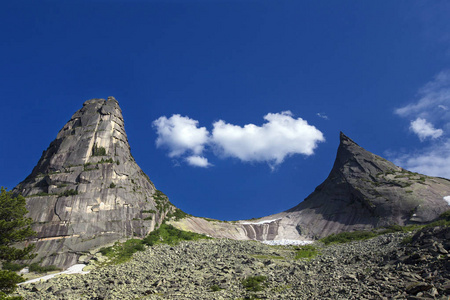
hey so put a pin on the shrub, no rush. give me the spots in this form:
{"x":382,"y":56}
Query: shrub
{"x":167,"y":234}
{"x":307,"y":251}
{"x":178,"y":214}
{"x":112,"y":185}
{"x":122,"y":252}
{"x":98,"y":151}
{"x":253,"y":283}
{"x":35,"y":267}
{"x":67,"y":193}
{"x":215,"y":288}
{"x":12,"y":266}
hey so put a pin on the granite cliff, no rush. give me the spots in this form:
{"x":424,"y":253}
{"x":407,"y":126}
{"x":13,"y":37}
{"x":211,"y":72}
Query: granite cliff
{"x":362,"y":191}
{"x":87,"y":190}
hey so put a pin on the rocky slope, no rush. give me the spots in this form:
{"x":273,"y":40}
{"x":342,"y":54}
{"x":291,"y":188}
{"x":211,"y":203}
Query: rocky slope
{"x":362,"y":191}
{"x":379,"y":268}
{"x":87,"y":190}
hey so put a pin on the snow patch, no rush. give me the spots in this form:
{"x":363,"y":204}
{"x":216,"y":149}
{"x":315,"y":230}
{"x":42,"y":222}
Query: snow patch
{"x":287,"y":242}
{"x":75,"y":269}
{"x":260,"y":222}
{"x":447,"y":199}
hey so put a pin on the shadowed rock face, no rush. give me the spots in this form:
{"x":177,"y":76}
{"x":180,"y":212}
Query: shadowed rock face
{"x":86,"y":190}
{"x":362,"y":191}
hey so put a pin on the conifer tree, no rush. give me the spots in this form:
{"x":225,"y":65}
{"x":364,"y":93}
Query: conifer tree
{"x":14,"y":228}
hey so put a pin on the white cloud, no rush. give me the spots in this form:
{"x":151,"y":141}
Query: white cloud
{"x":434,"y":98}
{"x":180,"y":135}
{"x":433,"y":161}
{"x":323,"y":116}
{"x":280,"y":136}
{"x":198,"y":161}
{"x":424,"y":129}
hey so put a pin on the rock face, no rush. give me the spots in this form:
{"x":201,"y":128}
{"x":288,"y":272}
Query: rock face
{"x":362,"y":191}
{"x":87,"y":190}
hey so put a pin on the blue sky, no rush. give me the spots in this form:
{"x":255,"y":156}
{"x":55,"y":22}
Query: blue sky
{"x":261,"y":88}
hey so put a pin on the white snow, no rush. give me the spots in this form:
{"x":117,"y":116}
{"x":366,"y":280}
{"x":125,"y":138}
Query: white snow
{"x":447,"y":198}
{"x":75,"y":269}
{"x":287,"y":242}
{"x":260,"y":222}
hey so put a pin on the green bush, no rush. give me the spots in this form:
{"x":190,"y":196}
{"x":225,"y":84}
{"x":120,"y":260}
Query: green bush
{"x":112,"y":185}
{"x":122,"y":252}
{"x":35,"y":267}
{"x":178,"y":214}
{"x":345,"y":237}
{"x":215,"y":288}
{"x":98,"y":151}
{"x":167,"y":234}
{"x":253,"y":283}
{"x":307,"y":251}
{"x":12,"y":266}
{"x":67,"y":193}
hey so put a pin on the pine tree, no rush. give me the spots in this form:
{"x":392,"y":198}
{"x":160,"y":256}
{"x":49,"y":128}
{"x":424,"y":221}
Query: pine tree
{"x":14,"y":228}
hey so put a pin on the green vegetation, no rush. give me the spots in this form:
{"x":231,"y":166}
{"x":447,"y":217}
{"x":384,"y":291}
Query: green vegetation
{"x":178,"y":214}
{"x":267,"y":256}
{"x":162,"y":202}
{"x":112,"y":185}
{"x":122,"y":252}
{"x":67,"y":193}
{"x":14,"y":228}
{"x":35,"y":267}
{"x":106,"y":161}
{"x":215,"y":288}
{"x":98,"y":151}
{"x":306,"y":252}
{"x":150,"y":211}
{"x":253,"y":283}
{"x":167,"y":234}
{"x":345,"y":237}
{"x":12,"y":266}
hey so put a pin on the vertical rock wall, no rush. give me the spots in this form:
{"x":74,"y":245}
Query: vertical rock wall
{"x":87,"y":190}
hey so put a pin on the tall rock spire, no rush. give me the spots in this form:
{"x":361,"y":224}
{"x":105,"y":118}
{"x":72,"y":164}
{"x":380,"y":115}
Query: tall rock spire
{"x":87,"y":190}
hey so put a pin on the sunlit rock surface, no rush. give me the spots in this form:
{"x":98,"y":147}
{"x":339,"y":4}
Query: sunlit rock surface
{"x":87,"y":190}
{"x":362,"y":191}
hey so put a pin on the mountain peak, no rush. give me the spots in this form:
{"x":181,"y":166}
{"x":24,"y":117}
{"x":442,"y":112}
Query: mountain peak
{"x":87,"y":190}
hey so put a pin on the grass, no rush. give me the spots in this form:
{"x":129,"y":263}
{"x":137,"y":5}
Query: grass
{"x":345,"y":237}
{"x":306,"y":252}
{"x":167,"y":234}
{"x":267,"y":256}
{"x":122,"y":252}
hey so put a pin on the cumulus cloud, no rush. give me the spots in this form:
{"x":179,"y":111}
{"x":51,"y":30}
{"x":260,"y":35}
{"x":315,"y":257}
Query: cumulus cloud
{"x":281,"y":136}
{"x":198,"y":161}
{"x":433,"y":161}
{"x":432,"y":107}
{"x":424,"y":129}
{"x":180,"y":135}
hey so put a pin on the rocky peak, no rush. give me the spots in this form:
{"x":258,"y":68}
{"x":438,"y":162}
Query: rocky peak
{"x":87,"y":190}
{"x":363,"y":191}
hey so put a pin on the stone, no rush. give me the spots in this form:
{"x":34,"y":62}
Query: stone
{"x":87,"y":191}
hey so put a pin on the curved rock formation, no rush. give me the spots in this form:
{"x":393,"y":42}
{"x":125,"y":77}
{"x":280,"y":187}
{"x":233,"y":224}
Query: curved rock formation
{"x":362,"y":191}
{"x":87,"y":190}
